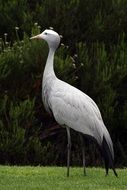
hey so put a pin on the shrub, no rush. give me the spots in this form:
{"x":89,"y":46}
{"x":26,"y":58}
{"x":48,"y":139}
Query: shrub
{"x":94,"y":61}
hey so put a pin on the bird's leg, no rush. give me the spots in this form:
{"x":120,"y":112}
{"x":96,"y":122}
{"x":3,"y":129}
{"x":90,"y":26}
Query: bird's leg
{"x":68,"y":149}
{"x":83,"y":153}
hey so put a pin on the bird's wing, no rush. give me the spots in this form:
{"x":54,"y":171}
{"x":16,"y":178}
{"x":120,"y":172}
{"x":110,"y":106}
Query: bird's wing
{"x":73,"y":108}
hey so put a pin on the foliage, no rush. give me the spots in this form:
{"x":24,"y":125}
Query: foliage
{"x":13,"y":14}
{"x":94,"y":59}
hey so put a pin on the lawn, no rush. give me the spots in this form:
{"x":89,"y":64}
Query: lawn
{"x":54,"y":178}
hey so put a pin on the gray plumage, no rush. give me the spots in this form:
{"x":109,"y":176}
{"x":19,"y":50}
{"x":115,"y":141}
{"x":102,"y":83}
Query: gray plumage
{"x":71,"y":107}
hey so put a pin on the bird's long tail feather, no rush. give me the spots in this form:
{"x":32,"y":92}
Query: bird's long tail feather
{"x":106,"y":150}
{"x":108,"y":157}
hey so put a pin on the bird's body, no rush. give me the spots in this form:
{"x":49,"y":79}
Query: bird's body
{"x":73,"y":108}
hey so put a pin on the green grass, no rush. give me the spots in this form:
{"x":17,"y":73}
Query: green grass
{"x":54,"y":178}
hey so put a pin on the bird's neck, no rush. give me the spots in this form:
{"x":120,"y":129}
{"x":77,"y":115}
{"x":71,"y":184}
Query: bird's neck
{"x":49,"y":67}
{"x":48,"y":79}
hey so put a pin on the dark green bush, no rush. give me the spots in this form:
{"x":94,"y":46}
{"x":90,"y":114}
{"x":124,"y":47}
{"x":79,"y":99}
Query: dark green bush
{"x":94,"y":59}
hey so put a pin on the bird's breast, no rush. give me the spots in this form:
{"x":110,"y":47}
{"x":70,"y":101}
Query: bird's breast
{"x":47,"y":84}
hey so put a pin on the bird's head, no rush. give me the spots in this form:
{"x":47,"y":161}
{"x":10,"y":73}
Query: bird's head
{"x":50,"y":36}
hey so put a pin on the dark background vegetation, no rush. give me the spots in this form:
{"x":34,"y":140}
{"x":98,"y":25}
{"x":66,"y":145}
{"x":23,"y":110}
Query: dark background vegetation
{"x":93,"y":58}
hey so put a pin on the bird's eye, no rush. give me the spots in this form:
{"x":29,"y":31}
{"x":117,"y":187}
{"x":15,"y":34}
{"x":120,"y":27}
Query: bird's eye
{"x":46,"y":33}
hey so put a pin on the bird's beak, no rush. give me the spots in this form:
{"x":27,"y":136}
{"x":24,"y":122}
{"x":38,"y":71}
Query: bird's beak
{"x":36,"y":37}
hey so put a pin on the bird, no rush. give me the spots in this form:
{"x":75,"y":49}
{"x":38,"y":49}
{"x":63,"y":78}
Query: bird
{"x":72,"y":108}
